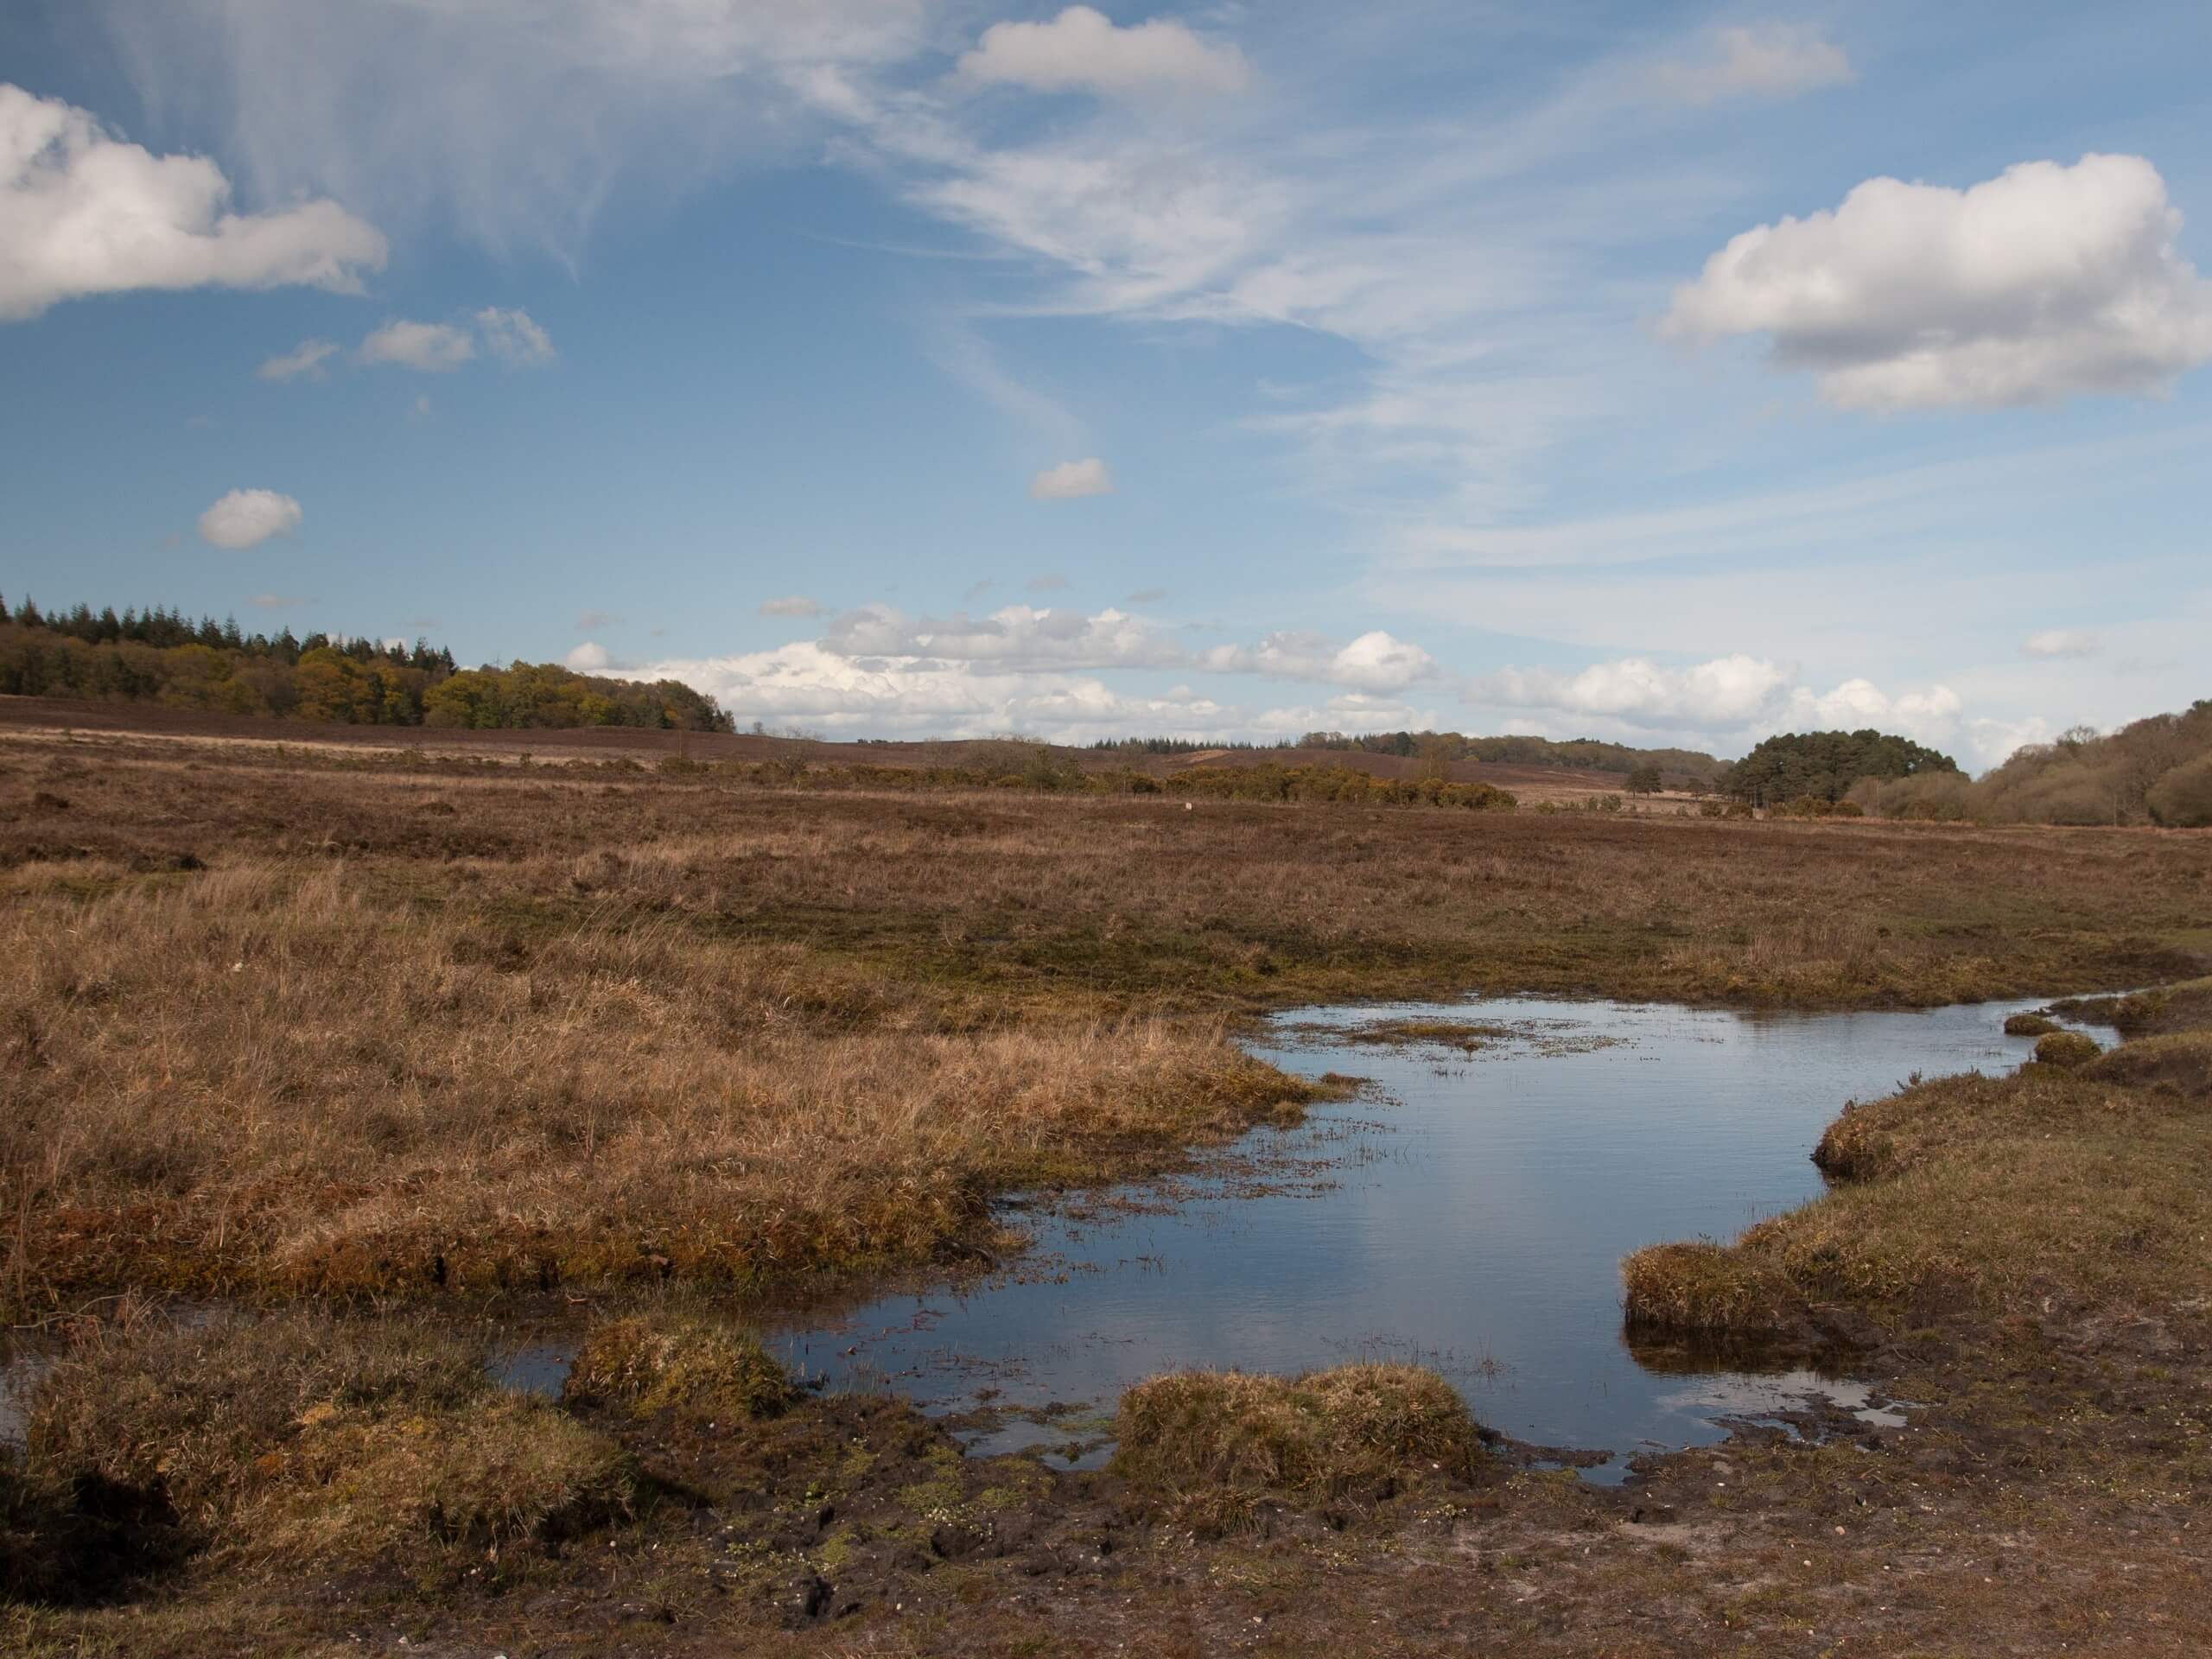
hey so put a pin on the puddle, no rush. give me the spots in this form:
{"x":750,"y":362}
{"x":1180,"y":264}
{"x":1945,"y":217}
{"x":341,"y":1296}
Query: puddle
{"x":1472,"y":1218}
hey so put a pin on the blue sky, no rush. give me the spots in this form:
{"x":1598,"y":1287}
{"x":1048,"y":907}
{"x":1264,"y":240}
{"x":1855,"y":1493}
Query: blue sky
{"x":1661,"y":371}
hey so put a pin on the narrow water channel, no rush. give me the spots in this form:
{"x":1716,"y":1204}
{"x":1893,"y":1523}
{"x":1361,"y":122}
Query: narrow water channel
{"x":1470,"y":1213}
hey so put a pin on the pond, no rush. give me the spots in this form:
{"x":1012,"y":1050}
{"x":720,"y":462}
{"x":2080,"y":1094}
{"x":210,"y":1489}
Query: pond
{"x":1469,"y":1212}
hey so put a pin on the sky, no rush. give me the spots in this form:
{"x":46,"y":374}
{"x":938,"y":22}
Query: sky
{"x":1664,"y":372}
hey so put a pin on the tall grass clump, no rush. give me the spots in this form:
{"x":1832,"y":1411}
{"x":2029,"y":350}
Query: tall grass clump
{"x":299,"y":1438}
{"x":1215,"y":1443}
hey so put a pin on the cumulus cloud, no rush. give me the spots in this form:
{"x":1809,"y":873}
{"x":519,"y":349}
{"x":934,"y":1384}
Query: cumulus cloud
{"x":1762,"y":60}
{"x":306,"y":359}
{"x":791,"y":605}
{"x":590,"y":658}
{"x":2060,"y":642}
{"x":2044,"y":282}
{"x":432,"y":347}
{"x":82,"y":212}
{"x":1374,"y":662}
{"x":1725,"y":692}
{"x":514,"y":338}
{"x":809,"y":683}
{"x":1072,"y":480}
{"x":1727,"y":696}
{"x":1017,"y":636}
{"x":1082,"y":50}
{"x":247,"y":519}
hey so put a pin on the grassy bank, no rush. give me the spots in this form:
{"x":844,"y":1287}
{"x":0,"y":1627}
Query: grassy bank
{"x":2073,"y":1189}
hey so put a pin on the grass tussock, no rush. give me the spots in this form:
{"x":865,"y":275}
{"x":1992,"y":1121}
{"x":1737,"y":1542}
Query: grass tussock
{"x":1704,"y":1289}
{"x":662,"y":1361}
{"x":2066,"y":1048}
{"x":302,"y":1439}
{"x":1217,"y":1442}
{"x":2060,"y":1185}
{"x":2028,"y":1025}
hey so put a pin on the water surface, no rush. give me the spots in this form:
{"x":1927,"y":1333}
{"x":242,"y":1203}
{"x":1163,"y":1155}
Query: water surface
{"x":1471,"y":1215}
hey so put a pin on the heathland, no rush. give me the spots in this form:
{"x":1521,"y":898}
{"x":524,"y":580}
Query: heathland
{"x":359,"y":1052}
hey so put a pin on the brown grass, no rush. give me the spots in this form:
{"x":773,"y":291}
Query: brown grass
{"x":695,"y":1366}
{"x":286,"y":1021}
{"x":1217,"y":1442}
{"x":302,"y":1439}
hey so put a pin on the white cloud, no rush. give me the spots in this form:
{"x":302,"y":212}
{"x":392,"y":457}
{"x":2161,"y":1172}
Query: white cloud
{"x":247,"y":519}
{"x":791,"y":605}
{"x":1374,"y":662}
{"x":590,"y":658}
{"x":807,"y":684}
{"x":1082,"y":50}
{"x":432,"y":347}
{"x":2060,"y":642}
{"x":82,"y":212}
{"x":1017,"y":636}
{"x":2044,"y":282}
{"x":305,"y":359}
{"x":1726,"y":699}
{"x":514,"y":338}
{"x":1728,"y":691}
{"x":1072,"y":480}
{"x":1760,"y":60}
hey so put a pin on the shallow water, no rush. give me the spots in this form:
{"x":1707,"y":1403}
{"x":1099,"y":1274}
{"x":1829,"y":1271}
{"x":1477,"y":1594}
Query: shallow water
{"x":1471,"y":1217}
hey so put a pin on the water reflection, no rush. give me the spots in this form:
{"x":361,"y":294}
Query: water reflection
{"x":1472,"y":1219}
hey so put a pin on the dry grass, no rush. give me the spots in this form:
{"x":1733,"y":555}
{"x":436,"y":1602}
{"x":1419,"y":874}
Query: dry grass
{"x":270,"y":1077}
{"x":306,"y":1439}
{"x":1217,"y":1442}
{"x":286,"y":1022}
{"x":694,"y":1366}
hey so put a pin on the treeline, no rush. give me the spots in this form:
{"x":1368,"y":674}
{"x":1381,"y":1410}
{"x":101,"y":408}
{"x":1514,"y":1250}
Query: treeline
{"x":1691,"y":766}
{"x":160,"y":656}
{"x":1823,"y":766}
{"x":2157,"y":770}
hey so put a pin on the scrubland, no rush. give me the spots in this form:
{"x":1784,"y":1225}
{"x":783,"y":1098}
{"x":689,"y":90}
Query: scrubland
{"x":318,"y":1064}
